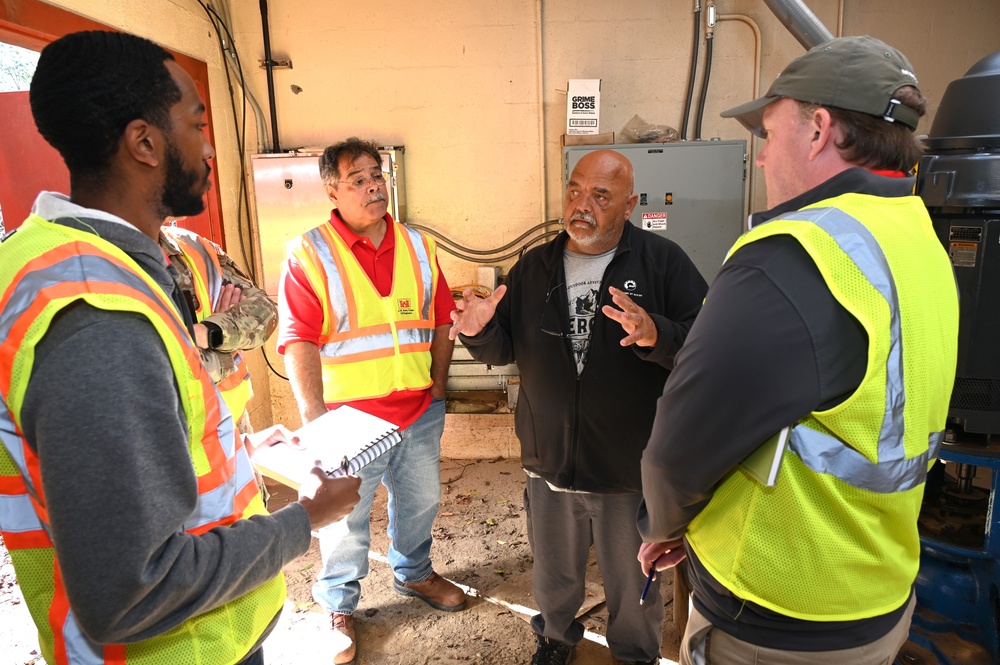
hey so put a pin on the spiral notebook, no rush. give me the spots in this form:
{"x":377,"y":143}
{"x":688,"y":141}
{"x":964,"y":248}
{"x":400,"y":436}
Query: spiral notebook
{"x":343,"y":439}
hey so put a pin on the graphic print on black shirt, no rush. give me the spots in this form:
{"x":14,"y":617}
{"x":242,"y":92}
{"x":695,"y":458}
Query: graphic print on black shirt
{"x":583,"y":280}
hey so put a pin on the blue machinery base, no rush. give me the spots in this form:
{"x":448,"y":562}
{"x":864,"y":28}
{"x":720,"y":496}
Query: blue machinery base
{"x":957,"y":620}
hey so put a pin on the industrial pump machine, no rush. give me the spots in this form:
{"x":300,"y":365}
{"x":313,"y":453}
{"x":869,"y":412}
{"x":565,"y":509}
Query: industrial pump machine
{"x":957,"y":621}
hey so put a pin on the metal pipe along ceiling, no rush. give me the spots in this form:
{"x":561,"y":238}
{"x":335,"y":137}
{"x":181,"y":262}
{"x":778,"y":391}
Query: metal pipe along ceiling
{"x":800,"y":21}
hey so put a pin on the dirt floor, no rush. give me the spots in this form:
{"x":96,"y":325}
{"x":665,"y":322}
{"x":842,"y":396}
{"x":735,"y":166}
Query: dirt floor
{"x":479,"y":542}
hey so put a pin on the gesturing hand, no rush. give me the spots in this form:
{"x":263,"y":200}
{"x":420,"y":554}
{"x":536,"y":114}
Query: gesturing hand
{"x":639,"y":327}
{"x":474,"y":313}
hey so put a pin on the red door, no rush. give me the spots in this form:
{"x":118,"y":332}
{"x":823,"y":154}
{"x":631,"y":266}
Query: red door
{"x":29,"y":165}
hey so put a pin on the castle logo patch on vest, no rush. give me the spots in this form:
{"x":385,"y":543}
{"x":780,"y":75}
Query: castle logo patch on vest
{"x":403,"y":304}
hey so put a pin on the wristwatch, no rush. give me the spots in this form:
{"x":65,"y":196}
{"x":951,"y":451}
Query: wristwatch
{"x":214,"y":334}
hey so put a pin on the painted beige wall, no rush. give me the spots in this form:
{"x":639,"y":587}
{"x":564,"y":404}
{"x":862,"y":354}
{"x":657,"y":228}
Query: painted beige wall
{"x":475,"y":88}
{"x":461,"y":83}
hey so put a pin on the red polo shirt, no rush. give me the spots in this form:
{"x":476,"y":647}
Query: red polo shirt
{"x":300,"y":314}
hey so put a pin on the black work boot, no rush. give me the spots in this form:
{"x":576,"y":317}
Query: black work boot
{"x":551,"y":652}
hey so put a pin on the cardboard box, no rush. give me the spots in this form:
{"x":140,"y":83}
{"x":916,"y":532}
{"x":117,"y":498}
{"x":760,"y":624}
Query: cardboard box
{"x":583,"y":106}
{"x":608,"y":138}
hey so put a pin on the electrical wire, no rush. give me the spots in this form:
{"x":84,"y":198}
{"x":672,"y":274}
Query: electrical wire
{"x":263,"y":144}
{"x":268,"y":361}
{"x":483,"y":252}
{"x":704,"y":86}
{"x":517,"y":252}
{"x":693,"y":72}
{"x":243,"y":195}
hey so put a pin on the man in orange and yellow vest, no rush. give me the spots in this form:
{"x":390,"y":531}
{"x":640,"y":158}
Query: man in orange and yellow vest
{"x":836,"y":316}
{"x":364,"y":313}
{"x":127,"y":500}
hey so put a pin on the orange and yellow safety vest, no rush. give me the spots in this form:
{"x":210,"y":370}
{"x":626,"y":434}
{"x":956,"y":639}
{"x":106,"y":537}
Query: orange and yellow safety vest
{"x":371,"y":345}
{"x":44,"y":268}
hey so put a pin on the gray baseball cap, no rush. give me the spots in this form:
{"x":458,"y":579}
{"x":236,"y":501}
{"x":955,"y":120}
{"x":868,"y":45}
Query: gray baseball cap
{"x":851,"y":73}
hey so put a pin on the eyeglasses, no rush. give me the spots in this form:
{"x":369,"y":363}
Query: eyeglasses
{"x":361,"y":182}
{"x":547,"y":328}
{"x":553,"y":328}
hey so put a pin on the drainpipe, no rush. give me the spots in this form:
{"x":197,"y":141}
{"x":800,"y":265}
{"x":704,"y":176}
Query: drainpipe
{"x":800,"y":21}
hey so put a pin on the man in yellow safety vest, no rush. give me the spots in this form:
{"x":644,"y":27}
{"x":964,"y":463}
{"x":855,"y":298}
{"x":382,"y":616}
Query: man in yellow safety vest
{"x":127,"y":500}
{"x":835,"y":316}
{"x":363,"y":312}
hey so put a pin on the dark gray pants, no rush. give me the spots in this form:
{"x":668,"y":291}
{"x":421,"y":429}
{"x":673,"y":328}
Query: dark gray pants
{"x":562,"y":526}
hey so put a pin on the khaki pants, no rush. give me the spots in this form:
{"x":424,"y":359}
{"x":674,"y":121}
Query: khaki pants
{"x":702,"y":645}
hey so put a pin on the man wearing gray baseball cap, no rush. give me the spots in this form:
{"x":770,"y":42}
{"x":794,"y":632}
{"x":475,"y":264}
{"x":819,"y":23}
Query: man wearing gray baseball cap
{"x":847,"y":318}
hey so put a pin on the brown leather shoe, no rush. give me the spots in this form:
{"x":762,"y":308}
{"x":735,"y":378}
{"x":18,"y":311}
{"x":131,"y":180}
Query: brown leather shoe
{"x":436,"y":591}
{"x":344,"y":624}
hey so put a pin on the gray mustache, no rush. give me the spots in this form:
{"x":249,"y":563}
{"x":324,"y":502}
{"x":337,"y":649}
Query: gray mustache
{"x":583,"y":217}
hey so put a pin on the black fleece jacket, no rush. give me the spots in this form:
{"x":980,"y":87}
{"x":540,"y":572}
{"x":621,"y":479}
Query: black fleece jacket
{"x":587,"y":432}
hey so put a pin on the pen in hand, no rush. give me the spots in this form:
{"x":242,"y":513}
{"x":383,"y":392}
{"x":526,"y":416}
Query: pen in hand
{"x":649,"y":578}
{"x":649,"y":581}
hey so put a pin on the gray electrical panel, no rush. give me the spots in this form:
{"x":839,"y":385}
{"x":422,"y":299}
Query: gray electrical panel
{"x":690,"y":192}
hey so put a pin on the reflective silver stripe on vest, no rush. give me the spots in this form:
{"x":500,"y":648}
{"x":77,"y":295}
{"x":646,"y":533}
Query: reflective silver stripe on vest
{"x":334,"y":282}
{"x":80,"y":649}
{"x":339,"y":307}
{"x":189,"y":243}
{"x":371,"y":342}
{"x":80,"y":269}
{"x":17,"y":515}
{"x":826,"y":454}
{"x":425,"y":271}
{"x":217,"y":504}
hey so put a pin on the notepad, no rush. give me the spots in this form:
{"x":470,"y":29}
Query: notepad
{"x":763,"y":463}
{"x":343,"y":439}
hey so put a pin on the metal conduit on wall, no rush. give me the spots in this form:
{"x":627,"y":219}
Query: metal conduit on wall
{"x":800,"y":21}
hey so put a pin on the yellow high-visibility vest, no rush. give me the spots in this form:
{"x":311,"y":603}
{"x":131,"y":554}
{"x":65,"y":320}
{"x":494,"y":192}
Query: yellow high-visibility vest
{"x":852,"y":479}
{"x":202,"y":260}
{"x":44,"y":268}
{"x":371,"y":345}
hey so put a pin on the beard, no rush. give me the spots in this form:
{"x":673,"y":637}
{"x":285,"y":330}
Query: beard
{"x":597,"y":237}
{"x":181,"y":195}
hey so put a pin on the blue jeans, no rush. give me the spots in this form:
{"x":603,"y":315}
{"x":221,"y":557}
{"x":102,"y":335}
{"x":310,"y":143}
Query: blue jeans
{"x":411,"y":471}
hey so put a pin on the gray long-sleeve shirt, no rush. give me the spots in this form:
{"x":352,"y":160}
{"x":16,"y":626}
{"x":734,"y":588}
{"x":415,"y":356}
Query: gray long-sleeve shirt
{"x":103,"y":412}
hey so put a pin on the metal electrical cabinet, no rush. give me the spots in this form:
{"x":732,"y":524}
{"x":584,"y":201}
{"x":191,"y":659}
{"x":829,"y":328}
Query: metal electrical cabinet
{"x":690,"y":192}
{"x":291,"y":200}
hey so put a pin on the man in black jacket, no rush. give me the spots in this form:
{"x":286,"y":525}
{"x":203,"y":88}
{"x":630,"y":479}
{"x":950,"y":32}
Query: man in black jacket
{"x":588,"y":396}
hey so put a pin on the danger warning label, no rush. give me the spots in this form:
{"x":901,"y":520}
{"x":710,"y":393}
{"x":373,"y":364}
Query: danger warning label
{"x":654,"y":221}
